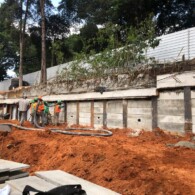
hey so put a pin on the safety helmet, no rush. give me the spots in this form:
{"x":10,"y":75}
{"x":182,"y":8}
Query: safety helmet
{"x":59,"y":102}
{"x":36,"y":99}
{"x":32,"y":101}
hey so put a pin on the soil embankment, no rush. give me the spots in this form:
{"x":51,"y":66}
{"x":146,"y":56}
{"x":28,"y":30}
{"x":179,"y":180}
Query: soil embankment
{"x":128,"y":165}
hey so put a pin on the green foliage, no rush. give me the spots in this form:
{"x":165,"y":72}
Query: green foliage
{"x":125,"y":48}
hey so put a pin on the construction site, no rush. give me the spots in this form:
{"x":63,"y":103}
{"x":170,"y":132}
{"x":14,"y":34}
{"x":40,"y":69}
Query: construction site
{"x":130,"y":132}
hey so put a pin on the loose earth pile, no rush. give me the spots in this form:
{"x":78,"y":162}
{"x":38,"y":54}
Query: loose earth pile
{"x":128,"y":165}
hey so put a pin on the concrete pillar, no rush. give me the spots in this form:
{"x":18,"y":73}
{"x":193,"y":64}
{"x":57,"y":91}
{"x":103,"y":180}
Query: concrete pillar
{"x":125,"y":113}
{"x":65,"y":112}
{"x":154,"y":113}
{"x":187,"y":110}
{"x":77,"y":118}
{"x":92,"y":113}
{"x":104,"y":114}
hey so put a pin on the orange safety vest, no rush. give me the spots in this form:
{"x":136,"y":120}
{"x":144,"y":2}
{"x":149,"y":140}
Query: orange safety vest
{"x":57,"y":108}
{"x":40,"y":107}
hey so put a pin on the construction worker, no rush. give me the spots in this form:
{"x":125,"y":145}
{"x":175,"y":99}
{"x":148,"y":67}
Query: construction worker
{"x":33,"y":104}
{"x":23,"y":106}
{"x":40,"y":111}
{"x":57,"y":109}
{"x":46,"y":112}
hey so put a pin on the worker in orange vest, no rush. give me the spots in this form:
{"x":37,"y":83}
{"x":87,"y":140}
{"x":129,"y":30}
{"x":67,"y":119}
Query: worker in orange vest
{"x":40,"y":111}
{"x":57,"y":109}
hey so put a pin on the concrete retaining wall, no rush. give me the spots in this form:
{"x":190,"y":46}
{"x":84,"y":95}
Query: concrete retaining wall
{"x":171,"y":111}
{"x":139,"y":114}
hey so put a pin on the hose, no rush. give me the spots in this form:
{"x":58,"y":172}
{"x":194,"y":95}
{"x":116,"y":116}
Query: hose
{"x":21,"y":127}
{"x":68,"y":131}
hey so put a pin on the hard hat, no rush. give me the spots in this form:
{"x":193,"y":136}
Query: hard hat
{"x":35,"y":99}
{"x":32,"y":101}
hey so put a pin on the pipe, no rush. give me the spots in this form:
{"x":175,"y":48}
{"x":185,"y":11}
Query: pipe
{"x":67,"y":131}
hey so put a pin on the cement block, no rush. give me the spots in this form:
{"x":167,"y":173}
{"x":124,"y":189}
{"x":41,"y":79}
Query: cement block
{"x":62,"y":178}
{"x":12,"y":166}
{"x":139,"y":104}
{"x":171,"y":119}
{"x":33,"y":181}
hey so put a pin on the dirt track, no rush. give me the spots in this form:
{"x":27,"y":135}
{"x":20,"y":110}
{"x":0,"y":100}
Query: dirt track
{"x":141,"y":165}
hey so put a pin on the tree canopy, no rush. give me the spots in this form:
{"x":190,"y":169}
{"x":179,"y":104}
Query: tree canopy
{"x":105,"y":25}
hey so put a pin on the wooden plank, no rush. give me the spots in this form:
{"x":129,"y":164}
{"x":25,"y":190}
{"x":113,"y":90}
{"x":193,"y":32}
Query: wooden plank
{"x":35,"y":182}
{"x":58,"y":177}
{"x":12,"y":166}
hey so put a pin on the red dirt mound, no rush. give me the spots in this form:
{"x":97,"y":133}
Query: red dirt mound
{"x":127,"y":165}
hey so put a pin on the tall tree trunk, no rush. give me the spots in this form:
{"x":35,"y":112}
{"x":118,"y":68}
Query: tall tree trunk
{"x":43,"y":78}
{"x":22,"y":33}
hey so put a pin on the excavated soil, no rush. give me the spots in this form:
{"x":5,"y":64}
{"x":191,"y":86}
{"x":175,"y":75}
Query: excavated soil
{"x":142,"y":165}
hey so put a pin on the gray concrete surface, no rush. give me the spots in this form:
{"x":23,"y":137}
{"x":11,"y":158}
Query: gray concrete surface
{"x":11,"y":166}
{"x":35,"y":182}
{"x":58,"y":177}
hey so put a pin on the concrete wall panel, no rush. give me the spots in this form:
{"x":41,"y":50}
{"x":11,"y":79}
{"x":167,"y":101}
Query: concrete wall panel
{"x":98,"y":114}
{"x":140,"y":122}
{"x":71,"y":113}
{"x":85,"y":113}
{"x":115,"y":114}
{"x":171,"y":111}
{"x":139,"y":114}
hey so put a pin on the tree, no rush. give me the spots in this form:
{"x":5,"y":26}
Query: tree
{"x":22,"y":34}
{"x":175,"y":15}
